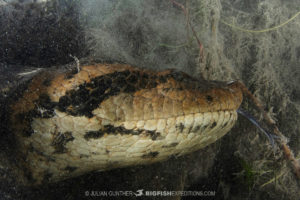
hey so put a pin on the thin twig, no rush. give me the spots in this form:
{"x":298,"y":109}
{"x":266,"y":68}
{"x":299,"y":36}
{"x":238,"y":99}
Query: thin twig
{"x":77,"y":62}
{"x":201,"y":53}
{"x":34,"y":71}
{"x":283,"y":141}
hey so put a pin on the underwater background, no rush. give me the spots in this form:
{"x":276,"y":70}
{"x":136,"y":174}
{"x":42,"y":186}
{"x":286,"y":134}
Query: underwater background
{"x":255,"y":41}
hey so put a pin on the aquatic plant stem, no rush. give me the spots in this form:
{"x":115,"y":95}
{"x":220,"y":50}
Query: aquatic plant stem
{"x":263,"y":30}
{"x":201,"y":52}
{"x":283,"y":141}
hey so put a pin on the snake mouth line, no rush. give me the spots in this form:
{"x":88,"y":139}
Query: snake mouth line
{"x":153,"y":128}
{"x":228,"y":110}
{"x":165,"y":118}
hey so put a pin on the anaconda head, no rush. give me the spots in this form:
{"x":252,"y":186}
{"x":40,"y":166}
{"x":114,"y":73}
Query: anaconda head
{"x":111,"y":115}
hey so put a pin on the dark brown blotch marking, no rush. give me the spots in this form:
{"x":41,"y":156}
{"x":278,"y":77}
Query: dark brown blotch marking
{"x":133,"y":78}
{"x":180,"y":127}
{"x":87,"y":96}
{"x":174,"y":144}
{"x":44,"y":107}
{"x":213,"y":125}
{"x":60,"y":140}
{"x":184,"y":79}
{"x":93,"y":135}
{"x":70,"y":169}
{"x":162,"y":79}
{"x":224,"y":125}
{"x":142,"y":83}
{"x":28,"y":131}
{"x":83,"y":156}
{"x":109,"y":129}
{"x":190,"y":129}
{"x":120,"y":79}
{"x":204,"y":127}
{"x":129,"y":88}
{"x":178,"y":76}
{"x":151,"y":84}
{"x":145,"y":76}
{"x":153,"y":134}
{"x":197,"y":128}
{"x":151,"y":154}
{"x":64,"y":102}
{"x":209,"y":98}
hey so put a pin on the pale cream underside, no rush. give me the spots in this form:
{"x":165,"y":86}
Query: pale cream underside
{"x":118,"y":150}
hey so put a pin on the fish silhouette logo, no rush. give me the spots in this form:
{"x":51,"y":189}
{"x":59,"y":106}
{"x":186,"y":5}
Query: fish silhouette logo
{"x":139,"y":193}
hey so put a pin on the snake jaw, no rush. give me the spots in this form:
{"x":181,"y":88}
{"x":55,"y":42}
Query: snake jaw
{"x":110,"y":116}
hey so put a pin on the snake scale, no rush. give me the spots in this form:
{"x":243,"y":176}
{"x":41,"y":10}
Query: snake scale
{"x":114,"y":115}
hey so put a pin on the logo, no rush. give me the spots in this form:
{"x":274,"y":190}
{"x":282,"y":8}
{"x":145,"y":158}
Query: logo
{"x":139,"y":193}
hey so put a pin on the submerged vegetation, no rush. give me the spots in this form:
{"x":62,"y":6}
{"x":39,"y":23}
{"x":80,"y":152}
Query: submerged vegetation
{"x":155,"y":34}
